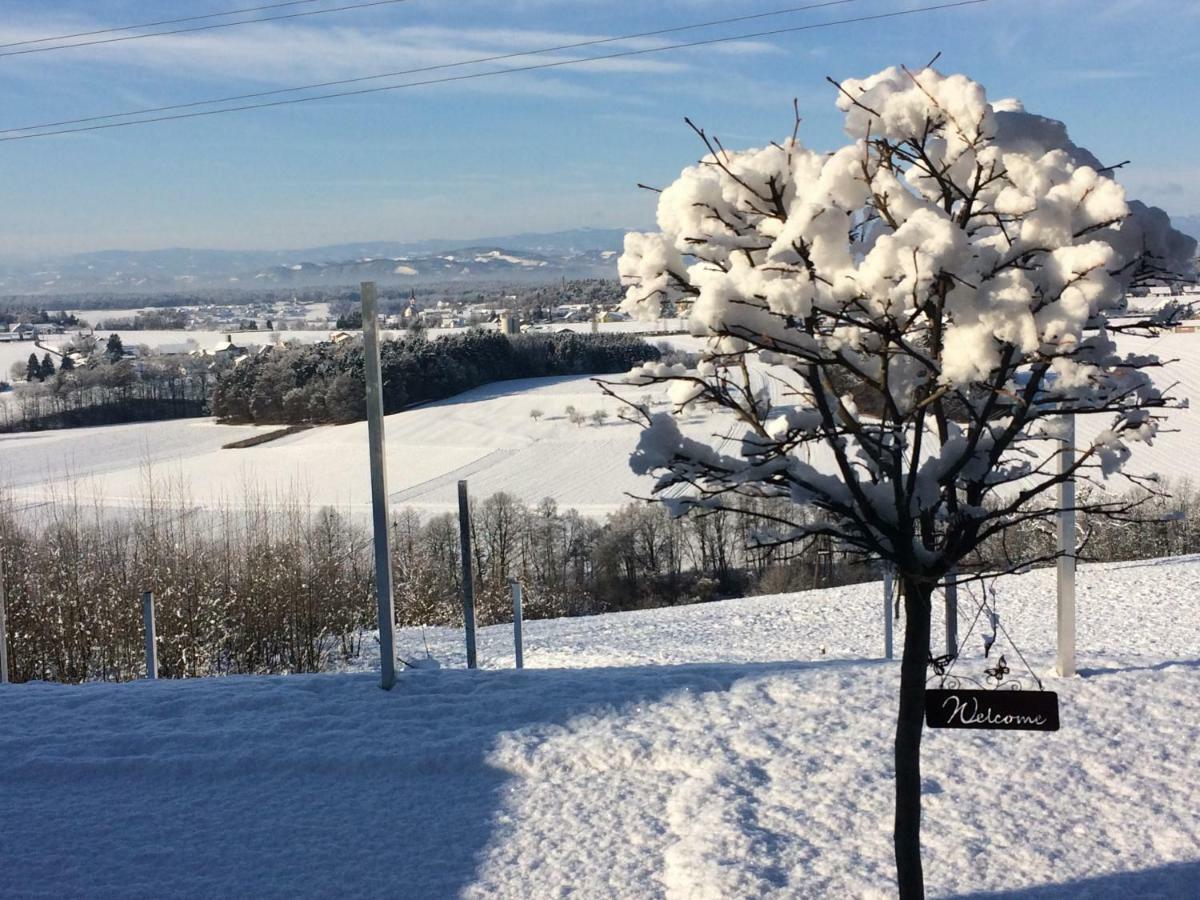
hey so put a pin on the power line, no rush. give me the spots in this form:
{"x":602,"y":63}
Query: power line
{"x":511,"y":71}
{"x":433,"y":68}
{"x":194,"y":28}
{"x":216,"y":15}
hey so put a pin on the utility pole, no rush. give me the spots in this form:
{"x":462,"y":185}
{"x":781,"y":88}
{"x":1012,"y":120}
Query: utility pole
{"x":380,"y":520}
{"x":1066,"y":551}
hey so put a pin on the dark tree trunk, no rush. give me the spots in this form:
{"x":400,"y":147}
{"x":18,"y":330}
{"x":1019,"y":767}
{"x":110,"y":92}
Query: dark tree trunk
{"x":909,"y":724}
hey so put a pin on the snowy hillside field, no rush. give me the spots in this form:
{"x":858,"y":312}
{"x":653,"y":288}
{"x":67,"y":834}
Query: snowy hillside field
{"x":485,"y":435}
{"x":737,"y":750}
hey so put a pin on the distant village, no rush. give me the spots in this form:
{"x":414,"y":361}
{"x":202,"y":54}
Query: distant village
{"x":217,"y":335}
{"x":540,"y":309}
{"x":516,"y":315}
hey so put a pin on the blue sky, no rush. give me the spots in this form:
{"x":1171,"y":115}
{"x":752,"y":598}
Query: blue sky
{"x":531,"y":151}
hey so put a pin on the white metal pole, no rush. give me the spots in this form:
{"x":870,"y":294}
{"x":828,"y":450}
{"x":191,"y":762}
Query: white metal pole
{"x":468,"y":582}
{"x":381,"y":521}
{"x":3,"y":627}
{"x":150,"y":635}
{"x":888,"y":587}
{"x":518,"y":647}
{"x":950,"y":588}
{"x":1066,"y":549}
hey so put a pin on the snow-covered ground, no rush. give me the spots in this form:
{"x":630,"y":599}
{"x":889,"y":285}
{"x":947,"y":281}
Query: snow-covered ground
{"x":485,"y":435}
{"x":695,"y":752}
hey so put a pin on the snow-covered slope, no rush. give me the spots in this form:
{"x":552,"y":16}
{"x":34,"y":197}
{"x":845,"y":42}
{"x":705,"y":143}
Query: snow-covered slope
{"x":685,"y":753}
{"x":485,"y":435}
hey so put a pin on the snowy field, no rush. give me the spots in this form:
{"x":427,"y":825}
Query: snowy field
{"x":733,"y":750}
{"x":485,"y":435}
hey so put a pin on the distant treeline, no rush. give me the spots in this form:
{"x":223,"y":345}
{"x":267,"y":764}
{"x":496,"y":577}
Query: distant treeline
{"x":13,"y":312}
{"x":108,"y":390}
{"x":148,"y":320}
{"x":302,"y":384}
{"x":325,"y":382}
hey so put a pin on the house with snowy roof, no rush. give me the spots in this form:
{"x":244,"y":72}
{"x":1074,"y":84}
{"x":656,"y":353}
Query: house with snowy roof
{"x":227,"y":351}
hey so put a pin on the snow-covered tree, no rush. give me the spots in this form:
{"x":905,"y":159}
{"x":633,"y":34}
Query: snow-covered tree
{"x":114,"y":349}
{"x":894,"y":330}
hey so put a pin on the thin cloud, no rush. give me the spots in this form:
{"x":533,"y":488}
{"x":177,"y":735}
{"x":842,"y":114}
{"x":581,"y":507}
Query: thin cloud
{"x":1088,"y":74}
{"x":290,"y":54}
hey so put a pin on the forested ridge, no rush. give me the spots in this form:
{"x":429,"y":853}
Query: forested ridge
{"x":325,"y":382}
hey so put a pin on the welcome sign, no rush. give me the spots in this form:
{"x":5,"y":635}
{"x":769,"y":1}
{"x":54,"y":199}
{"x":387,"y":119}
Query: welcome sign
{"x":1001,"y":710}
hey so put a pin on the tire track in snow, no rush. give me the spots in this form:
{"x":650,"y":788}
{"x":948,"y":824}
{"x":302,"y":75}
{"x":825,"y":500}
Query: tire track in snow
{"x":453,"y":476}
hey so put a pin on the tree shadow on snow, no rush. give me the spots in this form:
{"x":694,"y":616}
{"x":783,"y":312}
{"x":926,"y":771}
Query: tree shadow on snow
{"x":1155,"y":563}
{"x":288,"y":786}
{"x":1167,"y":882}
{"x":496,"y":389}
{"x":1155,"y":667}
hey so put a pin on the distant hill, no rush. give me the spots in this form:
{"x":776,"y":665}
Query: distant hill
{"x":1189,"y":225}
{"x":529,"y":257}
{"x":491,"y":263}
{"x":578,"y":253}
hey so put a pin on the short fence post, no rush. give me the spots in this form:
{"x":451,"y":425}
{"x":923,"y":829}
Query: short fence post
{"x":151,"y":637}
{"x":3,"y":628}
{"x":468,"y":583}
{"x":888,"y":588}
{"x":1067,"y":549}
{"x":518,"y":647}
{"x":951,"y":590}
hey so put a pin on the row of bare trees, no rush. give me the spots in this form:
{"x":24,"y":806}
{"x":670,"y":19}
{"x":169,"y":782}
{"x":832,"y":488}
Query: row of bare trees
{"x":277,"y":586}
{"x":263,"y":588}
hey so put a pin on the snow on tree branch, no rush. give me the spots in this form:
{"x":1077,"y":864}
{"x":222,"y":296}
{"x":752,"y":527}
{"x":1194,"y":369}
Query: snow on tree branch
{"x":896,"y":326}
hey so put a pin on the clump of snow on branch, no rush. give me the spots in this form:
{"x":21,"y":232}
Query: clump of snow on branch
{"x":951,"y":270}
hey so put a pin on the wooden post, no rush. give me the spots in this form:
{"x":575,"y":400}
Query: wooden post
{"x":888,"y":588}
{"x":150,"y":635}
{"x":468,"y":582}
{"x":518,"y":647}
{"x":1065,"y":664}
{"x":381,"y":521}
{"x":3,"y":627}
